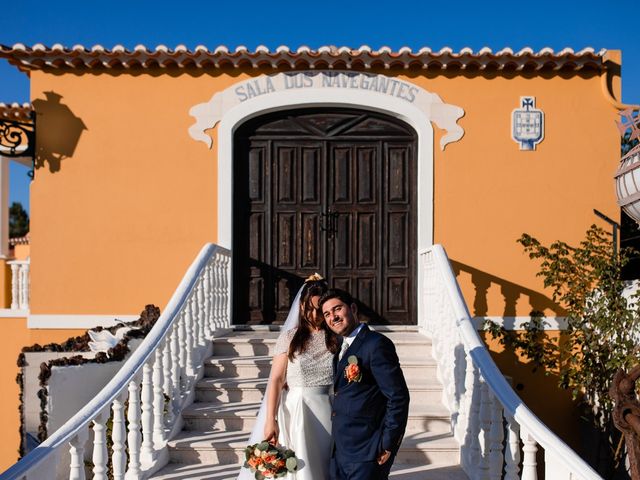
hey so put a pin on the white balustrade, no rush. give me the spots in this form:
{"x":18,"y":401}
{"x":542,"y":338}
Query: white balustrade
{"x":162,"y":367}
{"x":488,"y":419}
{"x":158,"y":400}
{"x":19,"y":284}
{"x":119,"y":456}
{"x":100,"y":445}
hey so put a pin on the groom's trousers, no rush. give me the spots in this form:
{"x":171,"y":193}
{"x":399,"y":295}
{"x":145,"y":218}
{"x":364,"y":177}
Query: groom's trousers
{"x":360,"y":470}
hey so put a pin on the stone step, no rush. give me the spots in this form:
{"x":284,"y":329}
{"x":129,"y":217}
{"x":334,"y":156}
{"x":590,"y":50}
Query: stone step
{"x":399,"y":471}
{"x":259,"y":366}
{"x":252,"y":390}
{"x":241,"y":416}
{"x":222,"y":447}
{"x":230,"y":389}
{"x":261,"y":344}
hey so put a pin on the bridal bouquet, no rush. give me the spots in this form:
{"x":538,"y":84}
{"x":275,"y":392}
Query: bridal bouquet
{"x":269,"y":461}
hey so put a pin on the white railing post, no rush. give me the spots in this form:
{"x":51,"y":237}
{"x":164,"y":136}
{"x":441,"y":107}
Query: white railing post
{"x":119,"y":456}
{"x":189,"y":341}
{"x":134,"y":438}
{"x":100,"y":454}
{"x":146,"y":449}
{"x":496,"y":436}
{"x":529,"y":463}
{"x":158,"y":399}
{"x":182,"y":350}
{"x":207,"y":300}
{"x":19,"y":284}
{"x":485,"y":428}
{"x":15,"y":288}
{"x":175,"y":368}
{"x":76,"y":450}
{"x":512,"y":453}
{"x":24,"y":286}
{"x":167,"y":383}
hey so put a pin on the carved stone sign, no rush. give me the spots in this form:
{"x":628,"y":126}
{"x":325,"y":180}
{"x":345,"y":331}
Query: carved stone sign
{"x":445,"y":116}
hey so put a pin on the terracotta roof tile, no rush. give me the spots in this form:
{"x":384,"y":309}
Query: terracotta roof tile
{"x":15,"y":111}
{"x":97,"y":57}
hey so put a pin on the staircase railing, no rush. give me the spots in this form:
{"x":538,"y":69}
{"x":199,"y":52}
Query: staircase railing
{"x":499,"y":436}
{"x":126,"y":426}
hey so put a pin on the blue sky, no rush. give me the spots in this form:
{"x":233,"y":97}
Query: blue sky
{"x":415,"y":23}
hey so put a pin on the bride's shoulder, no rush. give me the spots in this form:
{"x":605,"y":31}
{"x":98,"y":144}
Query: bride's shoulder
{"x":283,"y":341}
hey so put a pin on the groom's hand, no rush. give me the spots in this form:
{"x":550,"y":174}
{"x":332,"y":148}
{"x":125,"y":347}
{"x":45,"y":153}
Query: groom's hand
{"x":383,"y":457}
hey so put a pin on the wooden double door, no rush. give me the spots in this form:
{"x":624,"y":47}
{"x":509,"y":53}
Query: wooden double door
{"x":331,"y":191}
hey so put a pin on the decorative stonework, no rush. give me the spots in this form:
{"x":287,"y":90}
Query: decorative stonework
{"x":344,"y":84}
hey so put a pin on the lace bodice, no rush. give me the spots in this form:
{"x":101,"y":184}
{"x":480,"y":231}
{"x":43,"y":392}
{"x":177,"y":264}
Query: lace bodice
{"x":312,"y":368}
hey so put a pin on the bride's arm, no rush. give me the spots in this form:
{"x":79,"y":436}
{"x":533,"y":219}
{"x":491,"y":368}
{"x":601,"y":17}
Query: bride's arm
{"x":276,"y":383}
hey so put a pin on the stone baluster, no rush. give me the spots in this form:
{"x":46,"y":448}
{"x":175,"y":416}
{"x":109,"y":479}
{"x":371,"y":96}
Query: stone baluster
{"x":100,"y":455}
{"x":134,"y":438}
{"x":167,"y":383}
{"x":15,"y":286}
{"x":119,"y":456}
{"x":198,"y":340}
{"x":207,"y":300}
{"x":146,"y":450}
{"x":24,"y":286}
{"x":175,"y":366}
{"x":76,"y":451}
{"x":465,"y":399}
{"x":226,"y":292}
{"x":496,"y":435}
{"x":182,"y":341}
{"x":512,"y":453}
{"x":215,"y":295}
{"x":485,"y":429}
{"x":473,"y":400}
{"x":202,"y":320}
{"x":158,"y":398}
{"x":529,"y":463}
{"x":189,"y":340}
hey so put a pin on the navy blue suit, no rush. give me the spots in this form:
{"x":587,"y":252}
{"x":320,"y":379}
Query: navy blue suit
{"x":369,"y":416}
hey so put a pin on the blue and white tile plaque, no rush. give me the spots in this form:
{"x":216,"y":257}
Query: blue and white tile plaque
{"x":527,"y":124}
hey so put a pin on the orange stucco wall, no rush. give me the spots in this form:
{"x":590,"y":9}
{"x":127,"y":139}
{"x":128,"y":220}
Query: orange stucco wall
{"x":15,"y":336}
{"x":116,"y":226}
{"x":123,"y":198}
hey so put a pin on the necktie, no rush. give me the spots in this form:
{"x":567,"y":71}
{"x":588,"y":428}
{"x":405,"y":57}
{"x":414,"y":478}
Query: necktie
{"x":343,"y":349}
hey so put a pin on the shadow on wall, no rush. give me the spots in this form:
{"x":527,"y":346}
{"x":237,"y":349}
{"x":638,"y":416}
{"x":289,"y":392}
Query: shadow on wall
{"x":58,"y":131}
{"x":511,"y":293}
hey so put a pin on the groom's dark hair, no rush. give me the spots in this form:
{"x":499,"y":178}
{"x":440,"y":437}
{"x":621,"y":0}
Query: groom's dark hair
{"x":336,"y":293}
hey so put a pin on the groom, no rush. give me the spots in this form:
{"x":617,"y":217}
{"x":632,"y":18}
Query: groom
{"x":371,"y":400}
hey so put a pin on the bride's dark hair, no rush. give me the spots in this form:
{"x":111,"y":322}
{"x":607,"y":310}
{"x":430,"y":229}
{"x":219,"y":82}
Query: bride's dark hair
{"x":312,"y":288}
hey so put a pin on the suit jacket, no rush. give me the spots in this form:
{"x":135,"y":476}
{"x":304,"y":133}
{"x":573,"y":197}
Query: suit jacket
{"x":369,"y":415}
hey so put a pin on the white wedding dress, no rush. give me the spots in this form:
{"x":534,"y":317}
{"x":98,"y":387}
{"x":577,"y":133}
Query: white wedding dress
{"x":304,"y":414}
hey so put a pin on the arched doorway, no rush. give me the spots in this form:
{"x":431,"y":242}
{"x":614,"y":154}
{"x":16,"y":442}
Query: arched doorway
{"x":328,"y":190}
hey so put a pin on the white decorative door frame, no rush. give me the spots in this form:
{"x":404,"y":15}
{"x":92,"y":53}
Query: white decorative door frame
{"x":249,"y":99}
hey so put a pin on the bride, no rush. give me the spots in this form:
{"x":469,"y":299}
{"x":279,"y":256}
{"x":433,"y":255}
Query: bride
{"x":296,"y":411}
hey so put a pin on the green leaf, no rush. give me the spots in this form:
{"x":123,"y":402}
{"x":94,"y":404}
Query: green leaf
{"x":292,"y":464}
{"x":263,"y":446}
{"x":352,"y":360}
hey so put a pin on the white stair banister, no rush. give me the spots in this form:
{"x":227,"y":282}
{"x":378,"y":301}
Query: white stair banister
{"x":19,"y":284}
{"x":143,"y":381}
{"x":478,"y":418}
{"x":119,"y":457}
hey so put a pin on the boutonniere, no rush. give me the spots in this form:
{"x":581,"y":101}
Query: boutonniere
{"x":352,"y":371}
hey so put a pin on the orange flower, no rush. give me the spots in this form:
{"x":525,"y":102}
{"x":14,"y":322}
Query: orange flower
{"x":352,"y":371}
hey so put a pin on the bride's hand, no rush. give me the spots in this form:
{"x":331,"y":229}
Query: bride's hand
{"x":271,"y":431}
